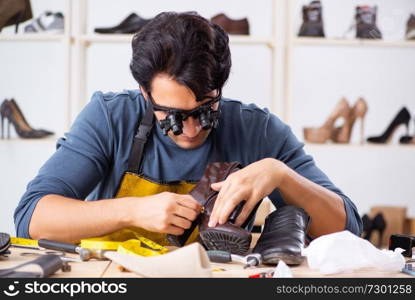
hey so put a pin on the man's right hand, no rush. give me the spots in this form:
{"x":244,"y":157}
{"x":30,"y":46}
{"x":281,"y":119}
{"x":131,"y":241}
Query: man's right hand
{"x":165,"y":212}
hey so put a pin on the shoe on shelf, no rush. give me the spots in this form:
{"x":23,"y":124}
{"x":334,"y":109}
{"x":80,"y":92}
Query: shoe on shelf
{"x":14,"y":12}
{"x":366,"y":27}
{"x":47,"y":22}
{"x":402,"y":118}
{"x":14,"y":116}
{"x":407,"y":139}
{"x":131,"y":24}
{"x":342,"y":134}
{"x":225,"y":237}
{"x":231,"y":26}
{"x":312,"y":20}
{"x":323,"y":133}
{"x":284,"y":236}
{"x":410,"y":28}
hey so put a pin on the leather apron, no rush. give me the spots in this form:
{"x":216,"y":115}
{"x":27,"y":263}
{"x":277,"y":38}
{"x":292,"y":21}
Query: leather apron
{"x":135,"y":184}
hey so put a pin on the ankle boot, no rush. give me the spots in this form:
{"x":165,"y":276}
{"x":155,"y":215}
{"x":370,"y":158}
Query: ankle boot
{"x":284,"y":236}
{"x":312,"y":20}
{"x":366,"y":27}
{"x":226,"y":237}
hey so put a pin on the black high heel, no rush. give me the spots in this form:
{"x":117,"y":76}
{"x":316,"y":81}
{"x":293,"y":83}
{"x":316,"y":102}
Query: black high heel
{"x":407,"y":139}
{"x":367,"y":227}
{"x":15,"y":12}
{"x":402,"y":118}
{"x":379,"y":224}
{"x":15,"y":117}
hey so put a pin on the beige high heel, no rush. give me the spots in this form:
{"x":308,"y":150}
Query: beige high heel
{"x":358,"y":111}
{"x":323,"y":133}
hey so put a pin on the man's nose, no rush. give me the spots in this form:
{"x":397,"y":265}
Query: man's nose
{"x":191,"y":127}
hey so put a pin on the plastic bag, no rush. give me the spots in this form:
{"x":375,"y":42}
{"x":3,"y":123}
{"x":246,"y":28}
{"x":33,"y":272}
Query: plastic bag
{"x":343,"y":251}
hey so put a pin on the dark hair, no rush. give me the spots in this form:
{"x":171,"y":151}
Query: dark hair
{"x":187,"y":47}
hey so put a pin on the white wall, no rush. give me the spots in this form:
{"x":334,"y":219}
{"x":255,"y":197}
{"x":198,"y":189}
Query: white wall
{"x":32,"y":73}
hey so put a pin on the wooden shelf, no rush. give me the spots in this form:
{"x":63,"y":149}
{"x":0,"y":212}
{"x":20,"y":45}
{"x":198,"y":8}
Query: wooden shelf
{"x":126,"y":38}
{"x":310,"y":41}
{"x":14,"y":140}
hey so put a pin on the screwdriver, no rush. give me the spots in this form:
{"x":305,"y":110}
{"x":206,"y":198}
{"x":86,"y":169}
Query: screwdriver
{"x":220,"y":256}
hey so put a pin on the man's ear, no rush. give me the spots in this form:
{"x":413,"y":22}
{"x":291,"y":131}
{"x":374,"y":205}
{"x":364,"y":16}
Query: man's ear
{"x":144,"y":93}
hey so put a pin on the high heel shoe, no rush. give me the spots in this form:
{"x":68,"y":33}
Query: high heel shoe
{"x":407,"y":139}
{"x":402,"y":118}
{"x":16,"y":118}
{"x":15,"y":106}
{"x":358,"y":111}
{"x":379,"y":224}
{"x":323,"y":133}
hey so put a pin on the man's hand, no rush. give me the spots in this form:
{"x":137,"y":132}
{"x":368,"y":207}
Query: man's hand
{"x":249,"y":184}
{"x":165,"y":212}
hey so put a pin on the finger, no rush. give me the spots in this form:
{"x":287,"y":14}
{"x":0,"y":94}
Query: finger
{"x":185,"y":212}
{"x":232,"y":200}
{"x":180,"y":222}
{"x":189,"y":202}
{"x":214,"y":216}
{"x":172,"y":229}
{"x":246,"y":210}
{"x":216,"y":186}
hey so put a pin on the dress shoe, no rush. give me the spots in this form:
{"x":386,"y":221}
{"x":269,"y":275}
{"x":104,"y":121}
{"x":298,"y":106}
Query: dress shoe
{"x":402,"y":118}
{"x":226,"y":237}
{"x":323,"y":133}
{"x":284,"y":236}
{"x":131,"y":24}
{"x":231,"y":26}
{"x":312,"y":20}
{"x":366,"y":27}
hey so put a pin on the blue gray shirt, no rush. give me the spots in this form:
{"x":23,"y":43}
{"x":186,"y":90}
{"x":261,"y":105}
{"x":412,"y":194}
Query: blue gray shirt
{"x":90,"y":161}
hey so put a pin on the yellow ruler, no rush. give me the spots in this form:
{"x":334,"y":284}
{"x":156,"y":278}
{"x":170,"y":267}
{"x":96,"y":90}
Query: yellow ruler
{"x":23,"y":242}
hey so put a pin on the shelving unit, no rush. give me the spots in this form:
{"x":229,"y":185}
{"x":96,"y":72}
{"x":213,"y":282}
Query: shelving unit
{"x":311,"y":41}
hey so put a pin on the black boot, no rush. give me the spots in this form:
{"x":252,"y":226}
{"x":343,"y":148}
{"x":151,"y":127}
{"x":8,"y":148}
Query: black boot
{"x":284,"y":236}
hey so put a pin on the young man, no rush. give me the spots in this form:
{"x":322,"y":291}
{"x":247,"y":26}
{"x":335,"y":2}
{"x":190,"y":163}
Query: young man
{"x":181,"y":62}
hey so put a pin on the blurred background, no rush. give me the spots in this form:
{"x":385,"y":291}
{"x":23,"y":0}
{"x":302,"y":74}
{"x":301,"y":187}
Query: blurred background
{"x":297,"y":58}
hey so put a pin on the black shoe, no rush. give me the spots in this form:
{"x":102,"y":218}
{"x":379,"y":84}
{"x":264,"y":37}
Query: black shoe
{"x":407,"y":139}
{"x":132,"y":24}
{"x":402,"y":118}
{"x":366,"y":27}
{"x":312,"y":20}
{"x":284,"y":236}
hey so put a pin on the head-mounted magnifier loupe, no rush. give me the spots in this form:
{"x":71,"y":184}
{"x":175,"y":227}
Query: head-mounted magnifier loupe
{"x":207,"y":116}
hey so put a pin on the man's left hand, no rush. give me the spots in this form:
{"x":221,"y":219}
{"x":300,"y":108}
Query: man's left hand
{"x":249,"y":184}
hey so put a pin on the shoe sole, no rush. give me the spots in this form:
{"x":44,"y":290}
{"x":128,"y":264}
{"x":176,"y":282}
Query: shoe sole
{"x":289,"y":259}
{"x":225,"y":241}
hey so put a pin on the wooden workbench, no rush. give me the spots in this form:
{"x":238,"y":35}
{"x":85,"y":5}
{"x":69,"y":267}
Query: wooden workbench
{"x":96,"y":268}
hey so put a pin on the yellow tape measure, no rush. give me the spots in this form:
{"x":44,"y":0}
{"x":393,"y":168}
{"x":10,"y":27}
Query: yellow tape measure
{"x":23,"y":242}
{"x":124,"y":241}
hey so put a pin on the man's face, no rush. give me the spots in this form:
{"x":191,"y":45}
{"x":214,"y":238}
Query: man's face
{"x":167,"y":92}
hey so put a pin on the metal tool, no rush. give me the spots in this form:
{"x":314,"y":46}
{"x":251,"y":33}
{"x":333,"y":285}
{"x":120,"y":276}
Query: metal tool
{"x":84,"y":254}
{"x":250,"y":260}
{"x":60,"y":254}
